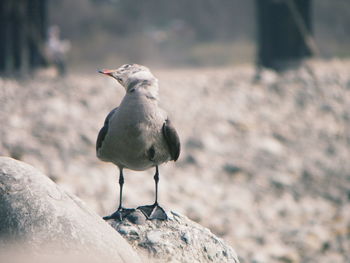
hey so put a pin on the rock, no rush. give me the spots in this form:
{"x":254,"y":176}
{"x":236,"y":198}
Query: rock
{"x":36,"y":214}
{"x":175,"y":240}
{"x":231,"y":168}
{"x":194,"y":143}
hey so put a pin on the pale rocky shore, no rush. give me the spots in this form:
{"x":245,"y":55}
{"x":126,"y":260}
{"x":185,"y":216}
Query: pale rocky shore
{"x":41,"y":222}
{"x":264,"y":164}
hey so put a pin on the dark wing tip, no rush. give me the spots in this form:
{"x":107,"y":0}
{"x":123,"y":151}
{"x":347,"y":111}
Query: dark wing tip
{"x":102,"y":134}
{"x":172,"y":139}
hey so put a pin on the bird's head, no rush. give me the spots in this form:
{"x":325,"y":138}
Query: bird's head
{"x":132,"y":75}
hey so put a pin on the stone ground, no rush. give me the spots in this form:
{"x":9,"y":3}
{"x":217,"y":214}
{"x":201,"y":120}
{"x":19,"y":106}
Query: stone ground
{"x":174,"y":240}
{"x":264,"y":165}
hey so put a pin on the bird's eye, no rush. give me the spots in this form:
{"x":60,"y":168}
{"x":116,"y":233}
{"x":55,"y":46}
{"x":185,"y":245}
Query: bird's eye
{"x":119,"y":79}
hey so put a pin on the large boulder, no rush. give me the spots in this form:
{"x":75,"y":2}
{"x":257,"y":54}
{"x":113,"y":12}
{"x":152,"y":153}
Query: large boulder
{"x":39,"y":222}
{"x":37,"y":215}
{"x":176,"y":240}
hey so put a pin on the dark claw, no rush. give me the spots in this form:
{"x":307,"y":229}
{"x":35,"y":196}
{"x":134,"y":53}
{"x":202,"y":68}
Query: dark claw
{"x":153,"y":212}
{"x":120,"y":214}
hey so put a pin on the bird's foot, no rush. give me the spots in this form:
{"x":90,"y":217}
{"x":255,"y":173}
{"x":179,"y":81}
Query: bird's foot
{"x":153,"y":212}
{"x":120,"y":214}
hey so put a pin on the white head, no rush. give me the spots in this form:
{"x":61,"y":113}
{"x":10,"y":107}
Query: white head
{"x":132,"y":76}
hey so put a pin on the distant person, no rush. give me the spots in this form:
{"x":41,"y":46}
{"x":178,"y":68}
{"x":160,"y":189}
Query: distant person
{"x":56,"y":49}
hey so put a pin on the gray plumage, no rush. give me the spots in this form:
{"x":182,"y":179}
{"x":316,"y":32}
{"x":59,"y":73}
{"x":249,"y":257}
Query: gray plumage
{"x":138,"y":125}
{"x":138,"y":134}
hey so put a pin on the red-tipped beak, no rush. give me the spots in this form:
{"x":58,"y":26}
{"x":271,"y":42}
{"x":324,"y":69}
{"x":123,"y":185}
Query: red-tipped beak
{"x":108,"y":72}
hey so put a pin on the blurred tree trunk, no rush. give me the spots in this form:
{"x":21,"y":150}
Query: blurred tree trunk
{"x":284,"y":32}
{"x":23,"y":26}
{"x":6,"y":39}
{"x":37,"y":11}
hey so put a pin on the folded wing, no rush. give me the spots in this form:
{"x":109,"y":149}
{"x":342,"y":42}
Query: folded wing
{"x":172,"y":139}
{"x":104,"y":130}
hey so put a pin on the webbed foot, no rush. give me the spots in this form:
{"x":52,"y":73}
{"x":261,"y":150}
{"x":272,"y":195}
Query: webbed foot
{"x":153,"y":212}
{"x":120,"y":214}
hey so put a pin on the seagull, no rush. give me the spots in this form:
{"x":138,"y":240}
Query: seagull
{"x":138,"y":134}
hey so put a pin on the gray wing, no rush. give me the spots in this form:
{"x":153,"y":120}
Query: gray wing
{"x":172,"y":139}
{"x":102,"y":134}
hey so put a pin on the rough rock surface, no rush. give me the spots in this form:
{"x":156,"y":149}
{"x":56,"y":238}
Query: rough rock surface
{"x":36,"y":214}
{"x":176,"y":240}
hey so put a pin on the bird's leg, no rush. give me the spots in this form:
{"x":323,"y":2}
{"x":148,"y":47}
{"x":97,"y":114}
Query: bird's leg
{"x":156,"y":180}
{"x":154,"y":211}
{"x":121,"y":212}
{"x":121,"y":183}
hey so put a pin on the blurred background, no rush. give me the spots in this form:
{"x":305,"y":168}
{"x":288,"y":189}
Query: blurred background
{"x":259,"y":92}
{"x":170,"y":34}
